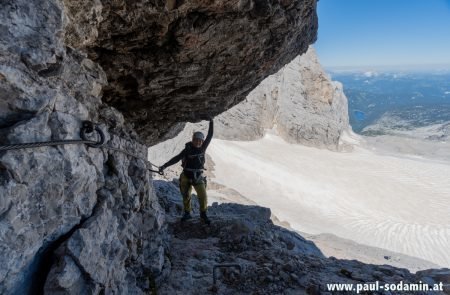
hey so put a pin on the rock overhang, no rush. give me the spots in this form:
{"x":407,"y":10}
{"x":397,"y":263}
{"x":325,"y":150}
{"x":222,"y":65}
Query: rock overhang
{"x":175,"y":61}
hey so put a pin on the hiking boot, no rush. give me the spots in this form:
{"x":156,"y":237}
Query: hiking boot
{"x":186,"y":216}
{"x":205,"y":218}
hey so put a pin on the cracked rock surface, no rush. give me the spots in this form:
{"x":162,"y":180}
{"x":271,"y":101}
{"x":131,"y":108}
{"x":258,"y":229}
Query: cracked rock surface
{"x":176,"y":61}
{"x":90,"y":211}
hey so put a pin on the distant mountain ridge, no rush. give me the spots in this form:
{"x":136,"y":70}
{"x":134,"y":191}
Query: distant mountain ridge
{"x":422,"y":99}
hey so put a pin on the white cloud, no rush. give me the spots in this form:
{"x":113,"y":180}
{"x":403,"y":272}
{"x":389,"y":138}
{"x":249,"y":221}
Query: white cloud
{"x":370,"y":74}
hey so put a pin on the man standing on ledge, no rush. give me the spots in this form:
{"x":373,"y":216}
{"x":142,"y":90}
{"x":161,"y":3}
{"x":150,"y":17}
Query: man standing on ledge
{"x":193,"y":160}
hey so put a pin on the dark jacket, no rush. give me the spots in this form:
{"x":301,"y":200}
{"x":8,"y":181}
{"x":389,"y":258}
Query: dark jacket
{"x":193,"y":158}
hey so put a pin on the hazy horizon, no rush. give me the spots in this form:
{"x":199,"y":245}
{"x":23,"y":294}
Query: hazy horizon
{"x":393,"y":67}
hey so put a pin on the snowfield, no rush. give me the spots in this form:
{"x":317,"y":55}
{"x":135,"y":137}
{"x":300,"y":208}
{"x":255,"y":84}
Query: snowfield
{"x":393,"y":202}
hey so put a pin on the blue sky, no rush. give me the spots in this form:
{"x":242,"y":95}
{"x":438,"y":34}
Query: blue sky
{"x":383,"y":32}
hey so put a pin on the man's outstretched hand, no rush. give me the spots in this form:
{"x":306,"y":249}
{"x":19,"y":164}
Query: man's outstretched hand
{"x":161,"y":170}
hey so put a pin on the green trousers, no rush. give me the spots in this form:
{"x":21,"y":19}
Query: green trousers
{"x":186,"y":189}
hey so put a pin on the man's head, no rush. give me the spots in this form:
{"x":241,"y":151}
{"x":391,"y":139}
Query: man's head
{"x":197,"y":139}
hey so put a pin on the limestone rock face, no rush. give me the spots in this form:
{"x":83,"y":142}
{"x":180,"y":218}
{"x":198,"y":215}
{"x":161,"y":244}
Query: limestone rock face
{"x":300,"y":102}
{"x":175,"y":61}
{"x":91,"y":209}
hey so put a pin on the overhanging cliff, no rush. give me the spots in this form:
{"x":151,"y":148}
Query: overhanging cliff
{"x":176,"y":61}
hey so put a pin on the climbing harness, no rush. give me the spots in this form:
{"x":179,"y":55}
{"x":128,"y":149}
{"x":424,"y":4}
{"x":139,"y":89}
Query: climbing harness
{"x":87,"y":127}
{"x":197,"y":178}
{"x":197,"y":174}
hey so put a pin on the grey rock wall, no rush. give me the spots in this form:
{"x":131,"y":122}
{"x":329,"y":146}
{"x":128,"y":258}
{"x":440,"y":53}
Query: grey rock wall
{"x":91,"y":210}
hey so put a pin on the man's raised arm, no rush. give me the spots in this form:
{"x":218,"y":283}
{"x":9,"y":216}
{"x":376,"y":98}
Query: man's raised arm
{"x":210,"y":134}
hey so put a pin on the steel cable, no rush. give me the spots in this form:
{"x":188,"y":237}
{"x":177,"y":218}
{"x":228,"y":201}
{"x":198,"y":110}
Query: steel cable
{"x":87,"y":128}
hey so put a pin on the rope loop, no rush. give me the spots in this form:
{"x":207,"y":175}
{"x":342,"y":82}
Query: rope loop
{"x":89,"y":127}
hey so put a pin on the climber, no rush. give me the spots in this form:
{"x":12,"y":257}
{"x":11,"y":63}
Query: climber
{"x":193,"y":160}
